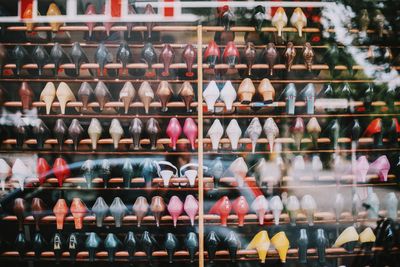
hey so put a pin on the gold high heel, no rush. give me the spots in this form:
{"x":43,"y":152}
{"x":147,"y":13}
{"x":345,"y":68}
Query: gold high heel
{"x":126,"y":95}
{"x":347,"y":238}
{"x":279,"y":20}
{"x":246,"y":91}
{"x":47,"y":95}
{"x":298,"y":20}
{"x":146,"y":95}
{"x":54,"y":11}
{"x":266,"y":90}
{"x":261,"y":243}
{"x":64,"y":95}
{"x":281,"y":244}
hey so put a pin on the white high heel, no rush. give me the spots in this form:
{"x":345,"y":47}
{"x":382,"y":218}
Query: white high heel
{"x":298,"y":20}
{"x":276,"y":206}
{"x":215,"y":133}
{"x":298,"y":166}
{"x":253,"y":132}
{"x":228,"y":95}
{"x":391,"y":204}
{"x":260,"y":207}
{"x":190,"y":172}
{"x":211,"y":95}
{"x":94,"y":132}
{"x":271,"y":130}
{"x":20,"y":172}
{"x":116,"y":132}
{"x":316,"y":166}
{"x":279,"y":20}
{"x":308,"y":205}
{"x":48,"y":95}
{"x":233,"y":132}
{"x":126,"y":95}
{"x":64,"y":95}
{"x":239,"y":170}
{"x":166,"y":174}
{"x":293,"y":207}
{"x":5,"y":172}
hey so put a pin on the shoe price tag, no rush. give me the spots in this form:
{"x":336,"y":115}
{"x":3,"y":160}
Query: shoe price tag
{"x":332,"y":103}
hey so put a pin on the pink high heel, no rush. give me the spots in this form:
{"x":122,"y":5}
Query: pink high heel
{"x":174,"y":130}
{"x":361,"y":169}
{"x":175,"y":208}
{"x":191,"y":207}
{"x":380,"y":166}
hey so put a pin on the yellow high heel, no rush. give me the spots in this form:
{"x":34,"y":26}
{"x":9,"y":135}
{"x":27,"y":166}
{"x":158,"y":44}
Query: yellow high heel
{"x":347,"y":239}
{"x":298,"y":20}
{"x":261,"y":243}
{"x":281,"y":244}
{"x":54,"y":11}
{"x":367,"y":236}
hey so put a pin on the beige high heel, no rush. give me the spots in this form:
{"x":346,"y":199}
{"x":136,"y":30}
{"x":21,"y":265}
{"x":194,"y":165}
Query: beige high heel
{"x":266,"y":90}
{"x":146,"y":95}
{"x":279,"y":20}
{"x":126,"y":95}
{"x":94,"y":132}
{"x":116,"y":132}
{"x":48,"y":95}
{"x":64,"y":95}
{"x":246,"y":91}
{"x":298,"y":20}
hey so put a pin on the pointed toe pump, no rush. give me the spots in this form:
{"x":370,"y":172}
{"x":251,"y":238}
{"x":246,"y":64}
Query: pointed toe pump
{"x":26,"y":95}
{"x":102,"y":57}
{"x":212,"y":242}
{"x":20,"y":244}
{"x":192,"y":245}
{"x":148,"y":243}
{"x":20,"y":211}
{"x":190,"y":131}
{"x":116,"y":132}
{"x":308,"y":96}
{"x":233,"y":244}
{"x":104,"y":170}
{"x":276,"y":206}
{"x":279,"y":20}
{"x":118,"y":211}
{"x":191,"y":207}
{"x":92,"y":245}
{"x":348,"y":239}
{"x":231,"y":55}
{"x":146,"y":95}
{"x":322,"y":243}
{"x":124,"y":56}
{"x":171,"y":244}
{"x":130,"y":244}
{"x":250,"y":55}
{"x":140,"y":209}
{"x":135,"y":130}
{"x":41,"y":132}
{"x":90,"y":10}
{"x":189,"y":55}
{"x":54,"y":11}
{"x":20,"y":57}
{"x":94,"y":131}
{"x":281,"y":244}
{"x":228,"y":95}
{"x":20,"y":172}
{"x":60,"y":132}
{"x":374,"y":130}
{"x":5,"y":172}
{"x":258,"y":17}
{"x":246,"y":91}
{"x":58,"y":246}
{"x":215,"y":133}
{"x":298,"y":20}
{"x":266,"y":90}
{"x":153,"y":130}
{"x":78,"y":211}
{"x":253,"y":132}
{"x":271,"y":57}
{"x":241,"y":208}
{"x":314,"y":130}
{"x":187,"y":94}
{"x":367,"y":238}
{"x":167,"y":56}
{"x":381,"y":167}
{"x":21,"y":131}
{"x":102,"y":94}
{"x":302,"y":244}
{"x":148,"y":10}
{"x":127,"y":173}
{"x":308,"y":56}
{"x":61,"y":170}
{"x":157,"y":207}
{"x":64,"y":95}
{"x":100,"y":210}
{"x":73,"y":246}
{"x":88,"y":171}
{"x":212,"y":54}
{"x":78,"y":57}
{"x":361,"y":169}
{"x":112,"y":244}
{"x":173,"y":131}
{"x":48,"y":95}
{"x":28,"y":14}
{"x":126,"y":95}
{"x":290,"y":55}
{"x":271,"y":130}
{"x":239,"y":170}
{"x":293,"y":207}
{"x":40,"y":57}
{"x":58,"y":56}
{"x":391,"y":203}
{"x":175,"y":208}
{"x":297,"y":130}
{"x":234,"y":133}
{"x":308,"y":205}
{"x":75,"y":132}
{"x":260,"y":206}
{"x":164,"y":93}
{"x":289,"y":94}
{"x":85,"y":94}
{"x":211,"y":95}
{"x":222,"y":208}
{"x":60,"y":210}
{"x":261,"y":243}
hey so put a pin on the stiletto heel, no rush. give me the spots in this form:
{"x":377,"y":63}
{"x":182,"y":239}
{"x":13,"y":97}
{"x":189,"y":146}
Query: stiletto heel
{"x":61,"y":170}
{"x":246,"y":91}
{"x":190,"y":131}
{"x":191,"y":207}
{"x":211,"y":95}
{"x":308,"y":205}
{"x":75,"y":131}
{"x":88,"y":171}
{"x":102,"y":94}
{"x":94,"y":132}
{"x":100,"y":210}
{"x":281,"y":244}
{"x":289,"y":94}
{"x":293,"y":207}
{"x":241,"y":208}
{"x":212,"y":54}
{"x":78,"y":211}
{"x":153,"y":129}
{"x":166,"y":173}
{"x":271,"y":130}
{"x":41,"y":132}
{"x":126,"y":95}
{"x":253,"y":132}
{"x":233,"y":245}
{"x":276,"y":206}
{"x":239,"y":170}
{"x":102,"y":57}
{"x":228,"y":95}
{"x":54,"y":11}
{"x":298,"y":20}
{"x":140,"y":209}
{"x":164,"y":93}
{"x":130,"y":245}
{"x":146,"y":95}
{"x":260,"y":206}
{"x":124,"y":56}
{"x":215,"y":133}
{"x":78,"y":57}
{"x":60,"y":210}
{"x":60,"y":132}
{"x":189,"y":55}
{"x":261,"y":243}
{"x":187,"y":94}
{"x":314,"y":130}
{"x":174,"y":130}
{"x":116,"y":132}
{"x":64,"y":95}
{"x":308,"y":56}
{"x":85,"y":94}
{"x":157,"y":207}
{"x":26,"y":95}
{"x":279,"y":20}
{"x":302,"y":244}
{"x":231,"y":55}
{"x":270,"y":56}
{"x":48,"y":95}
{"x":118,"y":211}
{"x":167,"y":56}
{"x":348,"y":239}
{"x":171,"y":244}
{"x":308,"y":95}
{"x":175,"y":208}
{"x":233,"y":132}
{"x":250,"y":55}
{"x":380,"y":166}
{"x":40,"y":57}
{"x":222,"y":208}
{"x":135,"y":130}
{"x":290,"y":55}
{"x":19,"y":210}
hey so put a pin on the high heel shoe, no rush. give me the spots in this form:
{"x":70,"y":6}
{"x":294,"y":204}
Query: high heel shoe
{"x":78,"y":211}
{"x":270,"y":56}
{"x":153,"y":129}
{"x":212,"y":243}
{"x":146,"y":95}
{"x":308,"y":95}
{"x":148,"y":10}
{"x":246,"y":91}
{"x":212,"y":54}
{"x":164,"y":93}
{"x":374,"y":129}
{"x":64,"y":95}
{"x":54,"y":11}
{"x":147,"y":242}
{"x":157,"y":207}
{"x":348,"y":239}
{"x":191,"y":207}
{"x":135,"y":130}
{"x":85,"y":94}
{"x":127,"y":173}
{"x":92,"y":245}
{"x":174,"y":130}
{"x":232,"y":243}
{"x":233,"y":132}
{"x":253,"y":132}
{"x":222,"y":208}
{"x":228,"y":95}
{"x":279,"y":20}
{"x":48,"y":95}
{"x":140,"y":209}
{"x":281,"y":244}
{"x":5,"y":172}
{"x":60,"y":210}
{"x":380,"y":166}
{"x":333,"y":130}
{"x":216,"y":171}
{"x":78,"y":57}
{"x":260,"y":206}
{"x":241,"y":208}
{"x":293,"y":207}
{"x":211,"y":95}
{"x":171,"y":244}
{"x":88,"y":170}
{"x":130,"y":244}
{"x":289,"y":94}
{"x":26,"y":95}
{"x":361,"y":169}
{"x":111,"y":245}
{"x":21,"y":132}
{"x":271,"y":130}
{"x":73,"y":246}
{"x":308,"y":56}
{"x":322,"y":243}
{"x":258,"y":17}
{"x":175,"y":208}
{"x":190,"y":131}
{"x":126,"y":95}
{"x":20,"y":244}
{"x":124,"y":56}
{"x":58,"y":56}
{"x":189,"y":55}
{"x":90,"y":10}
{"x":393,"y":131}
{"x":20,"y":172}
{"x":391,"y":203}
{"x":379,"y":21}
{"x":94,"y":132}
{"x":276,"y":206}
{"x":20,"y":57}
{"x":289,"y":54}
{"x":118,"y":211}
{"x":41,"y":132}
{"x":75,"y":131}
{"x":266,"y":90}
{"x":102,"y":57}
{"x":58,"y":246}
{"x":261,"y":243}
{"x":314,"y":130}
{"x":149,"y":56}
{"x":308,"y":205}
{"x":355,"y":131}
{"x":239,"y":170}
{"x":40,"y":57}
{"x":231,"y":55}
{"x":19,"y":210}
{"x":298,"y":20}
{"x":167,"y":56}
{"x":250,"y":55}
{"x":367,"y":238}
{"x":102,"y":94}
{"x":116,"y":132}
{"x":297,"y":130}
{"x":187,"y":94}
{"x":302,"y":244}
{"x":215,"y":133}
{"x":60,"y":132}
{"x":28,"y":14}
{"x":192,"y":245}
{"x":61,"y":170}
{"x":105,"y":171}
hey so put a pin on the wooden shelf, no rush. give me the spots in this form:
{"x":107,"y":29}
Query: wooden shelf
{"x":107,"y":66}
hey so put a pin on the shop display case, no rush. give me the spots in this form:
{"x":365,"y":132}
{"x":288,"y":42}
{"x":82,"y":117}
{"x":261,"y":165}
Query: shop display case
{"x":202,"y":133}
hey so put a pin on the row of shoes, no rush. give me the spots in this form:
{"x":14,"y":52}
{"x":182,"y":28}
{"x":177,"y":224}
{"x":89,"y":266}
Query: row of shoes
{"x":118,"y":210}
{"x":102,"y":95}
{"x":93,"y":243}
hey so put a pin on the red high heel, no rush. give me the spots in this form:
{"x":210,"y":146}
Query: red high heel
{"x":231,"y":55}
{"x":61,"y":211}
{"x":241,"y":208}
{"x":61,"y":170}
{"x":78,"y":210}
{"x":42,"y":169}
{"x":375,"y":129}
{"x":174,"y":130}
{"x":223,"y":208}
{"x":212,"y":54}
